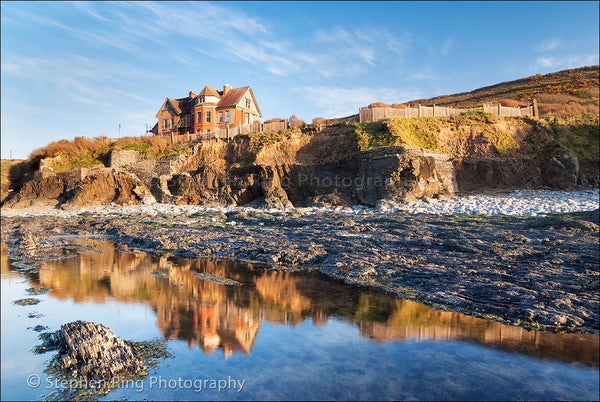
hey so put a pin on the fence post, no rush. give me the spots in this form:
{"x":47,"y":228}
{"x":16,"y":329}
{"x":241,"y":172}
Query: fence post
{"x":420,"y":113}
{"x":434,"y":110}
{"x":172,"y":139}
{"x":499,"y":109}
{"x":535,"y":110}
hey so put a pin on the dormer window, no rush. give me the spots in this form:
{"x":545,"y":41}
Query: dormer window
{"x":248,"y":103}
{"x":201,"y":99}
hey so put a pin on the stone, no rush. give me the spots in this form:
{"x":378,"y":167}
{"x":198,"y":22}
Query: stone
{"x":91,"y":351}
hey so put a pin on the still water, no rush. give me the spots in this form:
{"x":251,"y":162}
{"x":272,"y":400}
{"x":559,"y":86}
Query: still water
{"x":279,"y":335}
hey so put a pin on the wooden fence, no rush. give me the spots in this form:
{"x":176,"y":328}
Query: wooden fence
{"x":367,"y":114}
{"x":227,"y":133}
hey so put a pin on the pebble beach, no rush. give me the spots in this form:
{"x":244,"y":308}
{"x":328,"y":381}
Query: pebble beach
{"x":519,"y":203}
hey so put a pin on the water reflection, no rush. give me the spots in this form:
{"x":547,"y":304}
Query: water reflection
{"x":211,"y":315}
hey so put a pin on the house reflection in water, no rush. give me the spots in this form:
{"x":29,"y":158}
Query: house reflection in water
{"x":211,"y":326}
{"x":213,"y":315}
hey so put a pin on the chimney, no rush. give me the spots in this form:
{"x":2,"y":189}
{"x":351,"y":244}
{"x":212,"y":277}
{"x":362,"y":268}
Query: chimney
{"x":192,"y":95}
{"x":226,"y":88}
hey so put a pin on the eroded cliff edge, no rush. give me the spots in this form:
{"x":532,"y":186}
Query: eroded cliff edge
{"x":344,"y":164}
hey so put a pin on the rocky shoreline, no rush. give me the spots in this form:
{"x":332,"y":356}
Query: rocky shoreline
{"x":536,"y":272}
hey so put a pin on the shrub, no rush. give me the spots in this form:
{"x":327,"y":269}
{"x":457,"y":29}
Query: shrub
{"x":260,"y":140}
{"x":579,"y":134}
{"x":418,"y":132}
{"x":378,"y":104}
{"x":295,"y":122}
{"x":318,"y":121}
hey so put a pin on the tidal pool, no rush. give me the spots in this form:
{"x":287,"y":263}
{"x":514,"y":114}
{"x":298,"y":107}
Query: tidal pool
{"x":265,"y":335}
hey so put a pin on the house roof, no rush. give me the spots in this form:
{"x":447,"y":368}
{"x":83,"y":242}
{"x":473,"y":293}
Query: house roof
{"x":209,"y":91}
{"x":184,"y":105}
{"x":230,"y":99}
{"x":234,"y":96}
{"x":175,"y":104}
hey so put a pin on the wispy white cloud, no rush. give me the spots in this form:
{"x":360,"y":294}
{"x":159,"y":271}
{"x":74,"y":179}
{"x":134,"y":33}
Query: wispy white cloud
{"x":568,"y":61}
{"x":88,"y":8}
{"x":226,"y":33}
{"x":80,"y":79}
{"x":353,"y":51}
{"x":548,"y":45}
{"x":200,"y":19}
{"x":111,"y":40}
{"x":546,"y":61}
{"x":446,"y":47}
{"x":424,"y":76}
{"x":337,"y":102}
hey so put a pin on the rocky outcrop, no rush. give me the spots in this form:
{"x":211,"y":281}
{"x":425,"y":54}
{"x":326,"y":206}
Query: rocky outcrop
{"x":398,"y":174}
{"x":321,"y":169}
{"x":561,"y":171}
{"x":65,"y":191}
{"x":41,"y":192}
{"x":124,"y":157}
{"x":486,"y":173}
{"x":90,"y":351}
{"x":108,"y":187}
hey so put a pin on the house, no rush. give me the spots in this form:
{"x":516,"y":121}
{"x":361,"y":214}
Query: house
{"x":206,"y":112}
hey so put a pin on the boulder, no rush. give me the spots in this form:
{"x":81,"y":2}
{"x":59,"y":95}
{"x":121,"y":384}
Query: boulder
{"x":91,"y":351}
{"x":41,"y":192}
{"x":108,"y":187}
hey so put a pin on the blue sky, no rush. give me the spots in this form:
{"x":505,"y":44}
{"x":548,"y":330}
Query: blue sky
{"x":82,"y":68}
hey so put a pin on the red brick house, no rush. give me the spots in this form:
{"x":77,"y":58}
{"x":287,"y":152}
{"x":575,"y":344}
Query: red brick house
{"x":206,"y":112}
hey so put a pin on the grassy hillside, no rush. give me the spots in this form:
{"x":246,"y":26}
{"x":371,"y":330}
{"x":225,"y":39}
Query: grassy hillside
{"x":573,"y":91}
{"x":489,"y":134}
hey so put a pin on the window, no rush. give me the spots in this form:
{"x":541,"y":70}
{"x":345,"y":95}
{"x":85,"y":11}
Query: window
{"x":172,"y":125}
{"x":220,"y":117}
{"x":227,"y":115}
{"x":247,"y":118}
{"x":165,"y":124}
{"x":207,"y":117}
{"x":199,"y":117}
{"x":248,"y":103}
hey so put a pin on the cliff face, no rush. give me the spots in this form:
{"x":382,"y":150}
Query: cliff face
{"x":302,"y":170}
{"x":321,"y":169}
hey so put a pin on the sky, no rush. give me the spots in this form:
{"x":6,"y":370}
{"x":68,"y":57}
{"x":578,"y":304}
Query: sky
{"x":73,"y":69}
